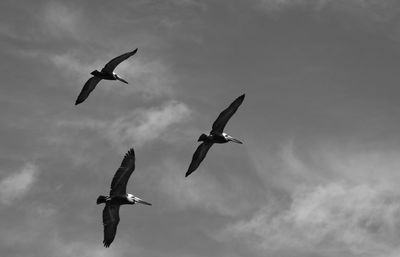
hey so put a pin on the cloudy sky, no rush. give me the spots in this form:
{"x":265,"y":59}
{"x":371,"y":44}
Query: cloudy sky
{"x":317,"y":176}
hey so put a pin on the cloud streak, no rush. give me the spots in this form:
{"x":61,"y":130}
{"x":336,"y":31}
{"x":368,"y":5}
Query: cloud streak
{"x":62,"y":21}
{"x":357,"y":213}
{"x":18,"y":184}
{"x":149,"y":125}
{"x":137,"y":128}
{"x":359,"y":219}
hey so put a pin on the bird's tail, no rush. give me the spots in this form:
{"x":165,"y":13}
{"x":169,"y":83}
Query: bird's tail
{"x":101,"y":199}
{"x":203,"y":138}
{"x":95,"y":72}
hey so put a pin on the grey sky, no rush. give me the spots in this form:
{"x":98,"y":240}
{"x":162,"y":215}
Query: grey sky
{"x":317,"y":175}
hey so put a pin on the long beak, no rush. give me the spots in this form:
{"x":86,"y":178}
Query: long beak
{"x":120,"y":79}
{"x":234,"y":140}
{"x":138,"y":200}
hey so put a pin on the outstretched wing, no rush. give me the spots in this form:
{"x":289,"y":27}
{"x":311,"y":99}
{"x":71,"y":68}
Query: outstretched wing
{"x":110,"y":66}
{"x":87,"y":88}
{"x":223,"y":118}
{"x":110,"y":223}
{"x":198,"y":156}
{"x":121,"y":177}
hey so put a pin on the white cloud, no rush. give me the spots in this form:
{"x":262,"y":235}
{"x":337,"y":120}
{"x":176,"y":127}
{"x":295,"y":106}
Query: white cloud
{"x":341,"y":200}
{"x":61,"y":20}
{"x":71,"y":65}
{"x":357,"y":219}
{"x":41,"y":232}
{"x":17,"y":184}
{"x":147,"y":125}
{"x":137,"y":128}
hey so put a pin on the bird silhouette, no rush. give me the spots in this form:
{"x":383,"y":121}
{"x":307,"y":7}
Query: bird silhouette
{"x":118,"y":197}
{"x":106,"y":73}
{"x":216,"y":135}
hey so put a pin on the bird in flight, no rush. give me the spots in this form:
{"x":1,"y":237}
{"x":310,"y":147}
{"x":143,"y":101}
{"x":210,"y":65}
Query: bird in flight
{"x":106,"y":73}
{"x":216,"y":135}
{"x":118,"y":197}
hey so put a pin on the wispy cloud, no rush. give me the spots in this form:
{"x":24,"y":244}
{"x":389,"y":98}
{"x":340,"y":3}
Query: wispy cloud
{"x":17,"y":184}
{"x":42,"y":231}
{"x":70,"y":64}
{"x":148,"y":125}
{"x":359,"y":219}
{"x":137,"y":128}
{"x":341,"y":200}
{"x":62,"y":20}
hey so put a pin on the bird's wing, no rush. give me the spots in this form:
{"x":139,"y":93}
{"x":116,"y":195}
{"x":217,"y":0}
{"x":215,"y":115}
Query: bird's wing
{"x":198,"y":156}
{"x":87,"y":88}
{"x":110,"y":66}
{"x":219,"y":124}
{"x":110,"y":223}
{"x":121,"y":177}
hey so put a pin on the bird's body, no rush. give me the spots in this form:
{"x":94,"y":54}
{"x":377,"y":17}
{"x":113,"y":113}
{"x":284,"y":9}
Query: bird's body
{"x":219,"y":138}
{"x":118,"y":197}
{"x":216,"y":135}
{"x":106,"y":73}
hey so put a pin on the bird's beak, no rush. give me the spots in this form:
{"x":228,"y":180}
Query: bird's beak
{"x":120,"y":79}
{"x":138,"y":200}
{"x":234,"y":140}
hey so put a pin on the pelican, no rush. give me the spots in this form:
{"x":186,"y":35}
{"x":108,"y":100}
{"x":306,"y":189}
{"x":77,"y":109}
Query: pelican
{"x":118,"y":197}
{"x":106,"y":73}
{"x":216,"y":135}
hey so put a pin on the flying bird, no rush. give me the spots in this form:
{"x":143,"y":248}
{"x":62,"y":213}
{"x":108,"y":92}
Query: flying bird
{"x":118,"y":197}
{"x":216,"y":135}
{"x":106,"y":73}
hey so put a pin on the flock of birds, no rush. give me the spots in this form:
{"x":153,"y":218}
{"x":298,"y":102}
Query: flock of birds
{"x":118,"y":195}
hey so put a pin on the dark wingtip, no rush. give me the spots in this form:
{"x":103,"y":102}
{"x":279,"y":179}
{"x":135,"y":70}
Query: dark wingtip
{"x":242,"y":96}
{"x":135,"y":51}
{"x":78,"y":101}
{"x":131,"y":152}
{"x":188,"y":173}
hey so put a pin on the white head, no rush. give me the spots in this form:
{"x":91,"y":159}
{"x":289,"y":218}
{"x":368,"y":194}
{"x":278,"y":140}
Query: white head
{"x":131,"y":198}
{"x":230,"y":138}
{"x":119,"y":78}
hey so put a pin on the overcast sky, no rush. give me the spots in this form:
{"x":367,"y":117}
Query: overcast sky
{"x":317,"y":176}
